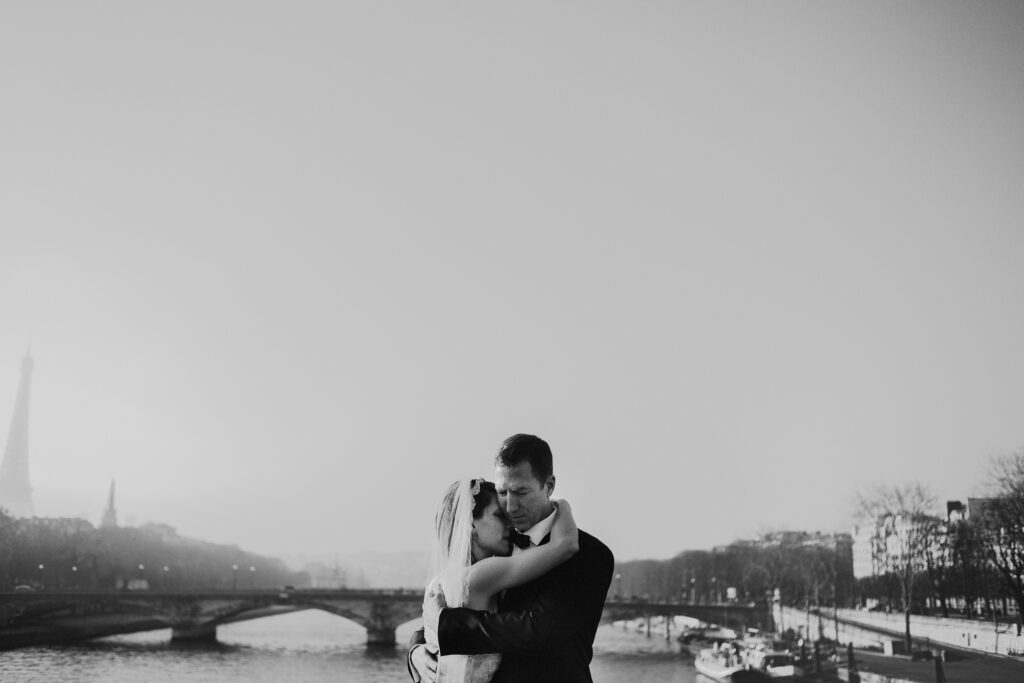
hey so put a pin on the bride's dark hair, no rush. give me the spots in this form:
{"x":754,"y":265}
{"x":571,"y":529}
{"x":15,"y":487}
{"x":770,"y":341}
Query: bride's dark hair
{"x":444,"y":520}
{"x":488,"y":492}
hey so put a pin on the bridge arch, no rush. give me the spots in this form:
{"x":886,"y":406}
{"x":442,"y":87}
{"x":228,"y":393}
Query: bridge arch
{"x":379,"y":618}
{"x":35,"y":618}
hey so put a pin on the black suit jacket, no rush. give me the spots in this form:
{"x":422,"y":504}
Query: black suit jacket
{"x":545,"y":629}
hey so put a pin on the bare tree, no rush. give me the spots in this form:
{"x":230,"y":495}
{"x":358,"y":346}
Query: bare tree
{"x":904,"y":526}
{"x":1001,"y":523}
{"x":817,"y":567}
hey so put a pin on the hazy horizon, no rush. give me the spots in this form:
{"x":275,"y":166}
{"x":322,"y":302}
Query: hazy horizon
{"x":288,"y":271}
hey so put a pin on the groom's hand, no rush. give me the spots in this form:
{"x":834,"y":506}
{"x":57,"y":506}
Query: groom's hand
{"x":432,"y":606}
{"x":423,"y":659}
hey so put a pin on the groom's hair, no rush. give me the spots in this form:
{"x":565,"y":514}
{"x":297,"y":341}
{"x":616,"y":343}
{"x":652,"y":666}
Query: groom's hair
{"x":526,"y":448}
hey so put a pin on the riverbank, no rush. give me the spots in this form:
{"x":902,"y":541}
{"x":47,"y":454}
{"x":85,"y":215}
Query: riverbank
{"x":879,"y":630}
{"x":977,"y":663}
{"x":873,"y":667}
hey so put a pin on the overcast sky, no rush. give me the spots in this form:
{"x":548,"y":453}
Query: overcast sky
{"x":289,"y":269}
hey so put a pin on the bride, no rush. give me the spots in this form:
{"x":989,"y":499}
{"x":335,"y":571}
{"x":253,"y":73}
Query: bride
{"x":472,"y":565}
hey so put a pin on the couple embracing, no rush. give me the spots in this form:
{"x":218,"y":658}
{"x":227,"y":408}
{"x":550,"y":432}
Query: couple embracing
{"x":518,"y":590}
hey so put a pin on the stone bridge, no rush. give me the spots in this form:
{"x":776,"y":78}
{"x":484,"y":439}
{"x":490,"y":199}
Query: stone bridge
{"x":47,"y":617}
{"x":725,"y":614}
{"x":50,"y":617}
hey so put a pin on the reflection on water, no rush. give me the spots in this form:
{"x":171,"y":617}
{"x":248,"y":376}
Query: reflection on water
{"x":304,"y":646}
{"x":630,"y":656}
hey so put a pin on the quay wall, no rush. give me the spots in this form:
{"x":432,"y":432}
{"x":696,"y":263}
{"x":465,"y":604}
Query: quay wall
{"x":964,"y":634}
{"x":867,"y":677}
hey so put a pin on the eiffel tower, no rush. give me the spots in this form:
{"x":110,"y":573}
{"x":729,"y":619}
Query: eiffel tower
{"x":15,"y":490}
{"x":110,"y":513}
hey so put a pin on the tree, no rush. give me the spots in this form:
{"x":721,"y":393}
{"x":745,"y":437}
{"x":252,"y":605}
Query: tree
{"x":73,"y":554}
{"x":904,"y":526}
{"x":971,"y":566}
{"x":939,"y":559}
{"x":1001,"y":523}
{"x":7,"y":533}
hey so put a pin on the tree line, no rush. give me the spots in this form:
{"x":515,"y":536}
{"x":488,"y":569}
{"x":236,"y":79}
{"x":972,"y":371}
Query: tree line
{"x":71,"y":554}
{"x":801,"y":568}
{"x":960,"y":561}
{"x":968,"y":561}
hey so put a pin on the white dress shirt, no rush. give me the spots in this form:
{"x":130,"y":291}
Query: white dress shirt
{"x":538,"y":531}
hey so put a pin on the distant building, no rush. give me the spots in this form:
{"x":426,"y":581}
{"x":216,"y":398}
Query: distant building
{"x":323,"y":576}
{"x":872,"y":546}
{"x":884,"y":543}
{"x":812,"y":539}
{"x":955,"y":511}
{"x":164,"y":531}
{"x":867,"y":560}
{"x":975,"y":508}
{"x":15,"y":489}
{"x":978,"y":507}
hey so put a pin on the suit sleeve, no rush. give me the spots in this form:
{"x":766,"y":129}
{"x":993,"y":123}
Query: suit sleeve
{"x":571,"y":603}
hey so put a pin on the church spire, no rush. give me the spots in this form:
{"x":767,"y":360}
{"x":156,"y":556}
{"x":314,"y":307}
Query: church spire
{"x":15,"y":490}
{"x":110,"y":514}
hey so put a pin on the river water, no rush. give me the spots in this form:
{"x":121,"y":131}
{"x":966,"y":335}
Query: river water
{"x":307,"y":647}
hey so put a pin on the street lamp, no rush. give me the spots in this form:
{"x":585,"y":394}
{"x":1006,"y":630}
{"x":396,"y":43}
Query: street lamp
{"x":618,"y":577}
{"x":74,"y":574}
{"x":252,"y":577}
{"x":234,"y":577}
{"x":41,"y":567}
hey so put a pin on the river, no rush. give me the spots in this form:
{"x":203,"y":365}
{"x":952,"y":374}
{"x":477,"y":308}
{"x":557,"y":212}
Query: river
{"x":306,"y":647}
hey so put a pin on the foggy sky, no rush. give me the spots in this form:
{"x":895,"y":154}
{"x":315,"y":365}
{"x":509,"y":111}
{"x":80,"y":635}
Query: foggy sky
{"x":289,"y":270}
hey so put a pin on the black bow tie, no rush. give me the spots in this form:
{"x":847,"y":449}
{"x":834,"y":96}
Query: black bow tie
{"x":520,"y":540}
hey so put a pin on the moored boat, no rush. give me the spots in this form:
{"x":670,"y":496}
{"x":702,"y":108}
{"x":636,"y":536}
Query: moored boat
{"x":778,"y":665}
{"x":718,"y":663}
{"x":711,"y":634}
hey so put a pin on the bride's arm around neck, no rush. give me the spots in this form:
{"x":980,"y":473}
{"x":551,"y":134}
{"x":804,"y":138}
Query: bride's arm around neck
{"x":494,"y":574}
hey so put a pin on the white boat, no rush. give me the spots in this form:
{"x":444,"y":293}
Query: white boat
{"x":717,"y":663}
{"x":720,"y":634}
{"x":778,"y":665}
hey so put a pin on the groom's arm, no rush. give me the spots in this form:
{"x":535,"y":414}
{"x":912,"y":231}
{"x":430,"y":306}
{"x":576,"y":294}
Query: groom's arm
{"x":571,"y":606}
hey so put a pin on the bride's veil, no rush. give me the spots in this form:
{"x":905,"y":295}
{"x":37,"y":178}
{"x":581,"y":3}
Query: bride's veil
{"x":453,"y":553}
{"x":453,"y":556}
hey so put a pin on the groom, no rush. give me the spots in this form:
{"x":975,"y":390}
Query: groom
{"x":545,"y":629}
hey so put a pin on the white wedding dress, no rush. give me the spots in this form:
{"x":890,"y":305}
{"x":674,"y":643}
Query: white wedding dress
{"x":452,"y":563}
{"x":463,"y":668}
